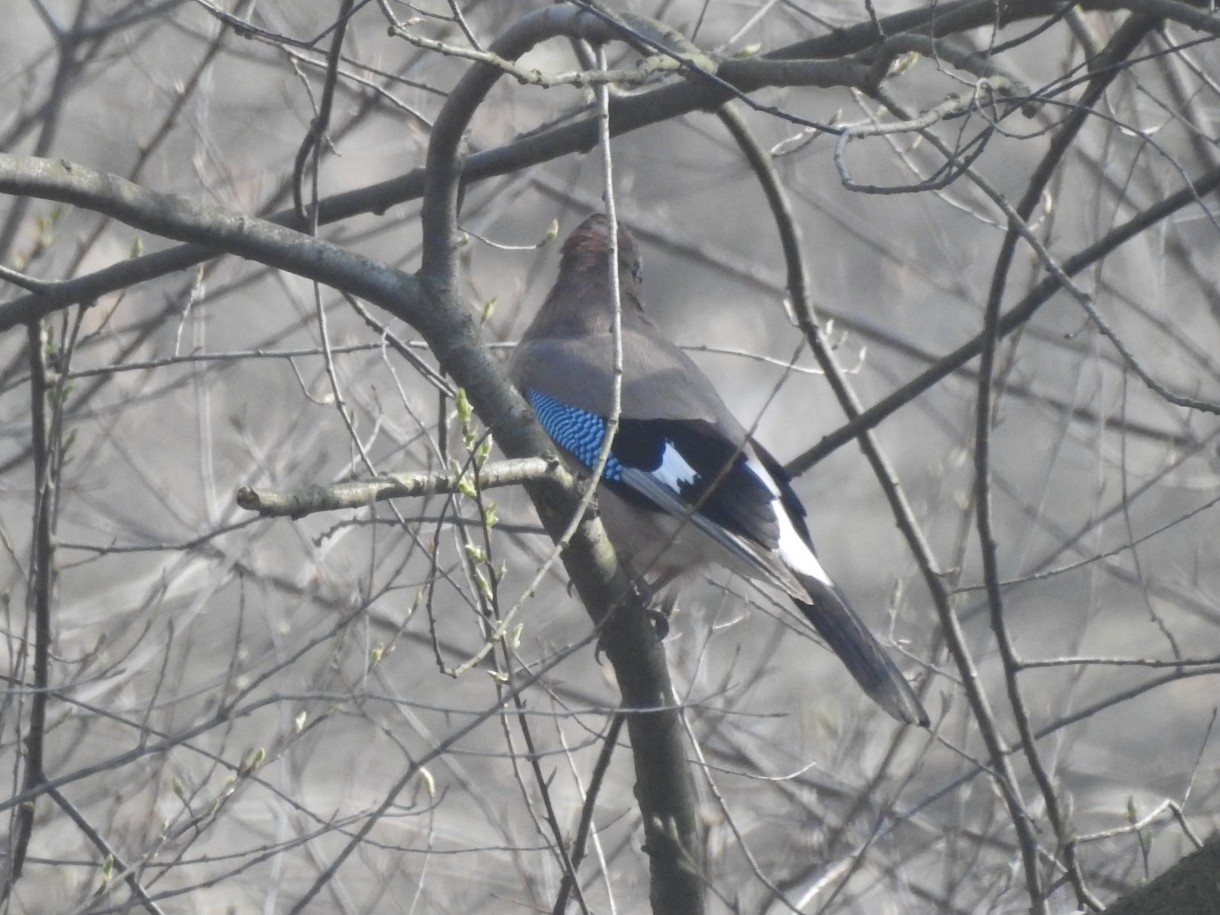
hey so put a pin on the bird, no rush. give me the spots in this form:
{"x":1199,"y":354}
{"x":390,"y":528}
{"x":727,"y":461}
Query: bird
{"x":685,"y":486}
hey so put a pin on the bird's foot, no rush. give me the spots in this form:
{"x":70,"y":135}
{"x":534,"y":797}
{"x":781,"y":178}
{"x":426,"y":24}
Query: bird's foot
{"x":660,"y":609}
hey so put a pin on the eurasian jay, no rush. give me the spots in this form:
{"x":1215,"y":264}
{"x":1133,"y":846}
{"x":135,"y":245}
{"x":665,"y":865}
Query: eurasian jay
{"x":685,"y":486}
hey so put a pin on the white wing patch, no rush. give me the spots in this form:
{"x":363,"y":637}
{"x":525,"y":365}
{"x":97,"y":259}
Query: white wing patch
{"x":761,"y":472}
{"x":663,"y":486}
{"x":674,"y":472}
{"x":793,"y":551}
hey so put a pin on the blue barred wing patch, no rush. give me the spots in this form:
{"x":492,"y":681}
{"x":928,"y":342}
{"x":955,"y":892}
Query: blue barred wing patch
{"x":578,"y":431}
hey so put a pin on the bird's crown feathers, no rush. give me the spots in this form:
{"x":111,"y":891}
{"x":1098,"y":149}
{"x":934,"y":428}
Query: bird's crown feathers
{"x":588,"y":249}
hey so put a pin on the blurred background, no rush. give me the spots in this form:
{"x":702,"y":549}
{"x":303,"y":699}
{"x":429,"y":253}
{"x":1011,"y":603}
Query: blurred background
{"x":233,"y":699}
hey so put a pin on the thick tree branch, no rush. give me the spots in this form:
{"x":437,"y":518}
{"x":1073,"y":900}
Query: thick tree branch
{"x":431,"y":303}
{"x":1190,"y":887}
{"x":627,"y":114}
{"x":664,"y":786}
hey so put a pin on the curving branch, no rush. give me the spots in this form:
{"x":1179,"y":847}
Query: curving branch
{"x":664,"y":784}
{"x":800,"y":63}
{"x":429,"y":301}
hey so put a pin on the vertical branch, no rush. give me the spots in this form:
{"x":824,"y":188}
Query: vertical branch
{"x":585,"y":827}
{"x":987,"y":547}
{"x":38,"y":597}
{"x":798,"y":286}
{"x":664,"y":785}
{"x":310,"y":152}
{"x":1106,"y":67}
{"x":38,"y":593}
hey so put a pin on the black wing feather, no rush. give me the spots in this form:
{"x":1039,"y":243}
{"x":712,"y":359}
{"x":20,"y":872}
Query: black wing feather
{"x":724,"y":490}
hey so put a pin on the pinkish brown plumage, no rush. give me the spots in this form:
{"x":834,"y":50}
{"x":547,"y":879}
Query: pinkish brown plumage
{"x":685,"y":485}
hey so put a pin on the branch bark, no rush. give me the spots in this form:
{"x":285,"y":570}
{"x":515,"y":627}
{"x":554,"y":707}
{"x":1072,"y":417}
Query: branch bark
{"x":627,"y":114}
{"x":664,"y":787}
{"x":1190,"y":887}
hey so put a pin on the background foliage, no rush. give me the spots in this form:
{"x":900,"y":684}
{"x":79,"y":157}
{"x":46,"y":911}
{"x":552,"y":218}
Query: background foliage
{"x":231,"y":699}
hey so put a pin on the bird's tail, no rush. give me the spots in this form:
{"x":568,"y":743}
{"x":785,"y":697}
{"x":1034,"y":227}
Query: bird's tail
{"x":865,"y":659}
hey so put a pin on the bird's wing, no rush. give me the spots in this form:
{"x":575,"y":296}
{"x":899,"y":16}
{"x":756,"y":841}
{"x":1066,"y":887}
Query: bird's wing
{"x":688,"y":469}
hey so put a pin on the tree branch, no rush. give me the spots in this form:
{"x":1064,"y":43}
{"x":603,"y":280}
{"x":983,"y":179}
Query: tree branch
{"x":297,"y":503}
{"x":664,"y":786}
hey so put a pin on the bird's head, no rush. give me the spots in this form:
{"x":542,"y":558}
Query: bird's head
{"x":580,"y":301}
{"x":587,"y":250}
